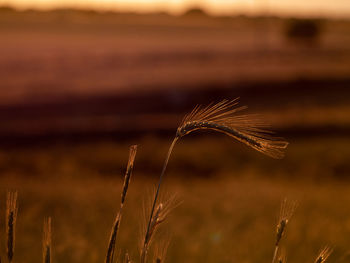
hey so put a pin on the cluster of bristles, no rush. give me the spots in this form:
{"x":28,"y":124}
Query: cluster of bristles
{"x":286,"y":212}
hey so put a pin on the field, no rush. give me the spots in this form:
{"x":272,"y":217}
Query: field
{"x":79,"y":87}
{"x":230,"y":198}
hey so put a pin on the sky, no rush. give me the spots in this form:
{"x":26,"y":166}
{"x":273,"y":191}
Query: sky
{"x":334,"y":8}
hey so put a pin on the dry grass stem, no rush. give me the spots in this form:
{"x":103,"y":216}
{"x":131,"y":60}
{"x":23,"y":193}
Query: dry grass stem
{"x":11,"y":218}
{"x":324,"y":254}
{"x":47,"y":241}
{"x":114,"y":232}
{"x":158,"y":189}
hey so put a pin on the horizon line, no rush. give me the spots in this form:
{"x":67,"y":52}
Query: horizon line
{"x":176,"y":14}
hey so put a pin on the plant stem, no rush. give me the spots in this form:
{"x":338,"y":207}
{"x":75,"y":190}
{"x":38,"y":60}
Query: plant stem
{"x":275,"y":254}
{"x":158,"y":187}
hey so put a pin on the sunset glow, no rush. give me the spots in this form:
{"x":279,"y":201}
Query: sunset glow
{"x":287,"y":7}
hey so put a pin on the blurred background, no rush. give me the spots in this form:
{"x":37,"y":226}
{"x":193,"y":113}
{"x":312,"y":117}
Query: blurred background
{"x":82,"y":81}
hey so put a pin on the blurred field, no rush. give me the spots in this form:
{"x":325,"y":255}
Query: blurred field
{"x":230,"y":198}
{"x":76,"y":53}
{"x":75,"y":72}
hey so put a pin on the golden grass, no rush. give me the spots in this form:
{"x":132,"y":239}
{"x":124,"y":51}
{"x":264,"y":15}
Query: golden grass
{"x":221,"y":225}
{"x":204,"y":201}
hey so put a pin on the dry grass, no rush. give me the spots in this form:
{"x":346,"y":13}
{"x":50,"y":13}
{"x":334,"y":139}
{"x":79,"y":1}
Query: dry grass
{"x":162,"y":212}
{"x":221,"y":225}
{"x":208,"y":202}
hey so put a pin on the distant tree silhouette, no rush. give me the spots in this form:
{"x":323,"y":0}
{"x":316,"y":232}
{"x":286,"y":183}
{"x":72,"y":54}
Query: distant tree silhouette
{"x":195,"y":11}
{"x":5,"y":8}
{"x":303,"y":30}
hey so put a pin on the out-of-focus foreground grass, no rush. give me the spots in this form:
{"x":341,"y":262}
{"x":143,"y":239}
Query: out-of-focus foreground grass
{"x":230,"y":199}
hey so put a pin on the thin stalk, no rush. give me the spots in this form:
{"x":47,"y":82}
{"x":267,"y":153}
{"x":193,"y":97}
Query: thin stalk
{"x":114,"y":232}
{"x":158,"y":187}
{"x":275,"y":254}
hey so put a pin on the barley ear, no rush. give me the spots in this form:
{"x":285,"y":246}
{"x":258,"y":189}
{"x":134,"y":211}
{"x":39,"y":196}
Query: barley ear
{"x":225,"y":117}
{"x":286,"y":212}
{"x":129,"y":169}
{"x":160,"y":215}
{"x":11,"y":218}
{"x":47,"y":236}
{"x":114,"y":232}
{"x":155,"y":221}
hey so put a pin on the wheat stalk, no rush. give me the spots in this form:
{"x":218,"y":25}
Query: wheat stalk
{"x":47,"y":241}
{"x":222,"y":117}
{"x":11,"y":218}
{"x":286,"y":212}
{"x":114,"y":232}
